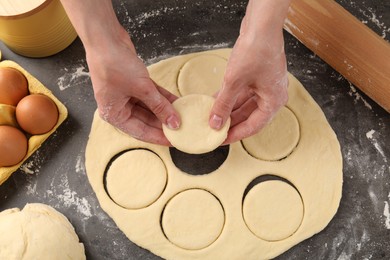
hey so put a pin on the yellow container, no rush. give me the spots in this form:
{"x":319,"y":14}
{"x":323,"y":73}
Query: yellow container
{"x":35,"y":28}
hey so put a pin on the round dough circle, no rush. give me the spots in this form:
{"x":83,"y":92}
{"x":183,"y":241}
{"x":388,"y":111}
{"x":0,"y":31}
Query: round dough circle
{"x":273,"y":210}
{"x":195,"y":135}
{"x":202,"y":74}
{"x":276,"y":140}
{"x":193,"y":219}
{"x":136,"y":179}
{"x":38,"y":232}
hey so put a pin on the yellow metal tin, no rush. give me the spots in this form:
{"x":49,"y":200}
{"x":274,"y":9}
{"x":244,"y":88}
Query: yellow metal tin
{"x":35,"y":31}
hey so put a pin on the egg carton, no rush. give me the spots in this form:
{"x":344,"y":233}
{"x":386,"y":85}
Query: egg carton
{"x":34,"y":141}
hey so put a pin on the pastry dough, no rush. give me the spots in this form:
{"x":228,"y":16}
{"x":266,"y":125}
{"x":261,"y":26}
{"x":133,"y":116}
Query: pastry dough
{"x":273,"y":210}
{"x":38,"y":232}
{"x":311,"y":172}
{"x":202,"y":75}
{"x":195,"y":135}
{"x":193,"y":219}
{"x":278,"y":139}
{"x":136,"y":178}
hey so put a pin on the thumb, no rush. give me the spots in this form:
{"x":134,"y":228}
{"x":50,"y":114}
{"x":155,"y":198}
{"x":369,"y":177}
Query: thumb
{"x":163,"y":109}
{"x":222,"y":108}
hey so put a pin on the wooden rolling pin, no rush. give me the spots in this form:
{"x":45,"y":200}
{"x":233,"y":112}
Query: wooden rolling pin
{"x":345,"y":43}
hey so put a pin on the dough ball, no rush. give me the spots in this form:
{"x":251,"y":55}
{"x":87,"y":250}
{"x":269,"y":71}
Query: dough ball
{"x":38,"y":232}
{"x":195,"y":135}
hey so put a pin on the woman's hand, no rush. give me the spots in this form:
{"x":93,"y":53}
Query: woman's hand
{"x":126,"y":96}
{"x":255,"y":82}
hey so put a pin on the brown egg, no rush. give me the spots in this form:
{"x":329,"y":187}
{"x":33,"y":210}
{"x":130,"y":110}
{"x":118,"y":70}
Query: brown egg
{"x":37,"y":114}
{"x":13,"y":146}
{"x":13,"y":86}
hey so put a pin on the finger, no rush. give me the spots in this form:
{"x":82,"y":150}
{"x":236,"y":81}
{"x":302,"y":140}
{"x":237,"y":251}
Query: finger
{"x":162,"y":108}
{"x":243,"y":97}
{"x":146,"y":116}
{"x":243,"y":112}
{"x":256,"y":121}
{"x":143,"y":132}
{"x":168,"y":95}
{"x":222,"y":107}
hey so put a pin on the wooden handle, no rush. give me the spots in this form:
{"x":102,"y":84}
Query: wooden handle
{"x":345,"y":43}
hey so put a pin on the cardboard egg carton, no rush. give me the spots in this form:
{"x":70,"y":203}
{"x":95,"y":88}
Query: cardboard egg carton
{"x":8,"y":116}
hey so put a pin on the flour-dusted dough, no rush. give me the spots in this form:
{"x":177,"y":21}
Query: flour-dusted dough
{"x":277,"y":139}
{"x":136,"y":179}
{"x":314,"y":168}
{"x":273,"y":210}
{"x":202,"y":75}
{"x":195,"y":135}
{"x":38,"y":232}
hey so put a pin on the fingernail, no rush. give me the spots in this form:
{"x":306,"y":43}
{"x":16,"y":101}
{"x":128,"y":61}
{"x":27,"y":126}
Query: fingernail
{"x":173,"y":122}
{"x":216,"y":122}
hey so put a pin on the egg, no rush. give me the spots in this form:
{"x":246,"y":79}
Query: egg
{"x":13,"y":146}
{"x":13,"y":86}
{"x":37,"y":114}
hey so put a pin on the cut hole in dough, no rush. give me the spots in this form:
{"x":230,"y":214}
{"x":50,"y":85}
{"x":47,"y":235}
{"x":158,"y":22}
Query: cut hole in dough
{"x":195,"y":136}
{"x":277,"y":140}
{"x":193,"y":219}
{"x":202,"y":74}
{"x":199,"y":164}
{"x":136,"y":178}
{"x":273,"y":210}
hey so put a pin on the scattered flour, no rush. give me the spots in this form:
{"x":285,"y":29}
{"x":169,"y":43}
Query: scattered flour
{"x":373,"y":197}
{"x":370,"y":134}
{"x":386,"y":213}
{"x":74,"y":77}
{"x":70,"y":198}
{"x":337,"y":241}
{"x":371,"y":17}
{"x":32,"y":166}
{"x":363,"y":240}
{"x":374,"y":141}
{"x":31,"y":188}
{"x":353,"y":93}
{"x":344,"y":256}
{"x":80,"y":166}
{"x":27,"y":168}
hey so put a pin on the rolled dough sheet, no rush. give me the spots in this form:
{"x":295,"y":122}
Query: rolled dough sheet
{"x":311,"y":172}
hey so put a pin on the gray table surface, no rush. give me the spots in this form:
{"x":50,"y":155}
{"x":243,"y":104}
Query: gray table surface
{"x":56,"y":175}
